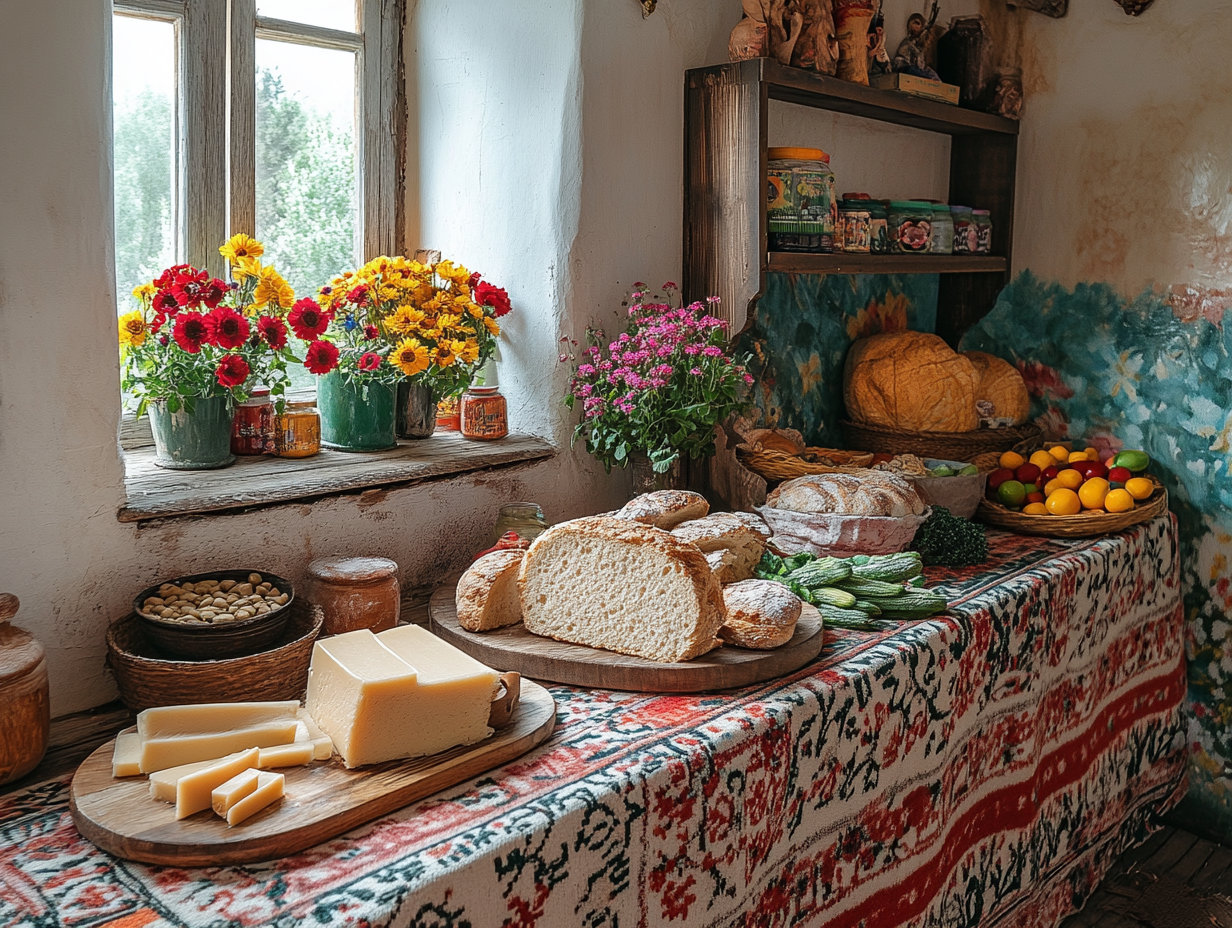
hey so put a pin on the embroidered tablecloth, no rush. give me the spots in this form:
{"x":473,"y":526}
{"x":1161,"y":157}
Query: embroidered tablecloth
{"x":980,"y":768}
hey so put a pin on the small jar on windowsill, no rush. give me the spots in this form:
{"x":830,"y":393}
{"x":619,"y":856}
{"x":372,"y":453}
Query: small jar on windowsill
{"x":483,"y":412}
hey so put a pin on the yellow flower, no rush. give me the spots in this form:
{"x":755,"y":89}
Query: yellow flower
{"x":272,"y":288}
{"x":470,"y":351}
{"x":241,"y":246}
{"x":446,"y":353}
{"x":447,"y":321}
{"x":491,"y":325}
{"x":132,"y":330}
{"x":246,"y":267}
{"x":404,"y":320}
{"x":410,"y":357}
{"x":144,"y":292}
{"x":475,"y":310}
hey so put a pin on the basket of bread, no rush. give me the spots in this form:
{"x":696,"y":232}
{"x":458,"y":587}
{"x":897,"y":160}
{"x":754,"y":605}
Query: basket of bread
{"x":910,"y":392}
{"x":781,"y":454}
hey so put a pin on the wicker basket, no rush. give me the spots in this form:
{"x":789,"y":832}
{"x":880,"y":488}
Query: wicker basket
{"x":1082,"y":525}
{"x":779,"y":465}
{"x":147,"y":679}
{"x":951,"y":446}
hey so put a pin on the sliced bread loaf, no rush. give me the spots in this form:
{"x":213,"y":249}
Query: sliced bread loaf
{"x":623,"y":586}
{"x":487,"y":595}
{"x":664,"y":508}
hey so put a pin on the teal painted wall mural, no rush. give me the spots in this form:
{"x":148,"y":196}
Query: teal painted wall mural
{"x":803,"y":328}
{"x":1148,"y":373}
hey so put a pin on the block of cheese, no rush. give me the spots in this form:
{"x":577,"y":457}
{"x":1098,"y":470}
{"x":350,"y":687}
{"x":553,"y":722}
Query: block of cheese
{"x":126,"y":760}
{"x":194,"y":791}
{"x":205,"y":718}
{"x":402,"y":693}
{"x":162,"y":782}
{"x":323,"y":744}
{"x":269,"y":790}
{"x":243,"y":784}
{"x":286,"y":755}
{"x":160,"y":753}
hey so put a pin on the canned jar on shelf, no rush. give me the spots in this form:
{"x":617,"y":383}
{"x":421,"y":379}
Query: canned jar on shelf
{"x":964,"y":230}
{"x":856,"y":221}
{"x":983,"y":231}
{"x":297,"y":432}
{"x":911,"y":226}
{"x":801,"y":209}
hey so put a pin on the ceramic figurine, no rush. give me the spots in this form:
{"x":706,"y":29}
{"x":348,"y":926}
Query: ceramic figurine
{"x":910,"y":57}
{"x":750,"y":39}
{"x":817,"y":47}
{"x":852,"y":19}
{"x":878,"y":57}
{"x":799,"y":33}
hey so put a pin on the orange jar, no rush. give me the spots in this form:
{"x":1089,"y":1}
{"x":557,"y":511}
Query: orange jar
{"x":355,"y":593}
{"x":448,"y":414}
{"x":484,"y":414}
{"x":297,"y":432}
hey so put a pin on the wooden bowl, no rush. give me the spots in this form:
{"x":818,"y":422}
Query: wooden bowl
{"x":146,"y":678}
{"x":203,"y":641}
{"x":1082,"y":525}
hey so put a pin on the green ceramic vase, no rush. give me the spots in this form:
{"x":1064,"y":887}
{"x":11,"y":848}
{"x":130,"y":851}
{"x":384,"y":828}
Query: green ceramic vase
{"x":197,"y":440}
{"x":356,"y":417}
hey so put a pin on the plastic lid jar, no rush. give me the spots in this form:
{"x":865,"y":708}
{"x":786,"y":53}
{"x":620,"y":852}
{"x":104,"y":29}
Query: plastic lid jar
{"x":964,"y":230}
{"x":801,"y":210}
{"x":943,"y":230}
{"x":911,"y":226}
{"x":983,"y":231}
{"x":855,"y":222}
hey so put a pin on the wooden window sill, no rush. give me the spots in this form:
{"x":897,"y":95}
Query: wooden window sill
{"x":257,"y":482}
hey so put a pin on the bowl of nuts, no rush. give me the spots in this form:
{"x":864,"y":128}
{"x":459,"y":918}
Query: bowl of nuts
{"x":220,"y":614}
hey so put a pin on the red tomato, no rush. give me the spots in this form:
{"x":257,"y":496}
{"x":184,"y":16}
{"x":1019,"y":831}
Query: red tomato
{"x":999,"y":476}
{"x":1119,"y":475}
{"x":1027,"y":473}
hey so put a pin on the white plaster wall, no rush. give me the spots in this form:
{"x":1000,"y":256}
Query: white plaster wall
{"x":1124,"y":174}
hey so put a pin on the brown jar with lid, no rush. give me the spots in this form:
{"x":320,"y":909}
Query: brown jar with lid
{"x":25,"y":697}
{"x":484,"y":414}
{"x":355,"y":593}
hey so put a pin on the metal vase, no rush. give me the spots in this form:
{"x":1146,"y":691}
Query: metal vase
{"x":356,"y":416}
{"x":416,"y":410}
{"x":200,"y":440}
{"x":645,"y":480}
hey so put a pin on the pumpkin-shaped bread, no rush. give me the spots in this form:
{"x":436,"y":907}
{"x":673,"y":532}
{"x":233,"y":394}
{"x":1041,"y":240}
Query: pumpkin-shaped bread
{"x":910,"y":381}
{"x":1001,"y":385}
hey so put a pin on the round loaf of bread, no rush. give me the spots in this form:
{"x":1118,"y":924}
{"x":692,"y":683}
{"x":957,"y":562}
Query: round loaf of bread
{"x":664,"y":508}
{"x":854,"y":493}
{"x":487,"y":594}
{"x":728,"y":533}
{"x":1001,"y":384}
{"x":761,"y":614}
{"x":623,"y":586}
{"x":910,"y":381}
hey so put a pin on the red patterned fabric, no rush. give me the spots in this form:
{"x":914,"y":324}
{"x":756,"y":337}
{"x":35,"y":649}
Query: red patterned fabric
{"x":983,"y":768}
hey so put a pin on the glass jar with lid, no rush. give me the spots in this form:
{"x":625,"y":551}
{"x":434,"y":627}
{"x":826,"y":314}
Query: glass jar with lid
{"x":524,"y":518}
{"x":943,"y":230}
{"x":297,"y":432}
{"x":856,"y":222}
{"x":983,"y":231}
{"x":801,"y":209}
{"x":911,"y":226}
{"x":878,"y":228}
{"x":964,"y":230}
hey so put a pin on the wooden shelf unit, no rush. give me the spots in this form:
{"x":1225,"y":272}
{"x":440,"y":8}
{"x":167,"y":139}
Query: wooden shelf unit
{"x":725,"y":253}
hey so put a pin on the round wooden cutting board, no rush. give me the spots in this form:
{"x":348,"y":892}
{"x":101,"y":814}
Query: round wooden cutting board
{"x":726,"y":667}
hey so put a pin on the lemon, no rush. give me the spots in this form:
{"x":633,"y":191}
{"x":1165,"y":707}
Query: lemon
{"x":1051,"y":485}
{"x":1069,"y":478}
{"x":1035,"y":509}
{"x":1042,"y":459}
{"x":1139,"y":487}
{"x":1076,"y":456}
{"x":1013,"y":460}
{"x":1091,"y":453}
{"x":1060,"y":453}
{"x":1092,"y":493}
{"x":1063,"y":502}
{"x":1119,"y":501}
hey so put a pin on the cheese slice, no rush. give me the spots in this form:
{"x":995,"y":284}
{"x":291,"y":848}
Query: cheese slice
{"x":223,"y":797}
{"x":206,"y":718}
{"x":323,"y":745}
{"x":162,"y":782}
{"x":286,"y":755}
{"x":126,"y":760}
{"x":160,"y":753}
{"x":194,"y":791}
{"x":269,"y":790}
{"x":403,"y":693}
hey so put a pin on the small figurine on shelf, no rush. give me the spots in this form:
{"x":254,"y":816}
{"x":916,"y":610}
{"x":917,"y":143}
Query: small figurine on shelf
{"x":878,"y":57}
{"x":799,"y":33}
{"x":910,"y":57}
{"x":817,"y":47}
{"x":1007,"y":95}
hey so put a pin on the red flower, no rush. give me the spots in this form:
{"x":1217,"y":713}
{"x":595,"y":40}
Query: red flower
{"x":229,"y":328}
{"x":160,"y":319}
{"x":369,"y":361}
{"x":213,"y":292}
{"x":358,"y":295}
{"x":322,"y":357}
{"x":167,"y":277}
{"x":496,"y":297}
{"x":191,"y":332}
{"x":232,"y":370}
{"x":371,"y":332}
{"x":308,"y":320}
{"x":273,"y":330}
{"x":473,"y":280}
{"x":165,"y":302}
{"x":189,"y":288}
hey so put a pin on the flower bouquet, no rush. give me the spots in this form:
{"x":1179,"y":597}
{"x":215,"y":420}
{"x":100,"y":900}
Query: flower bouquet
{"x":198,"y":344}
{"x":398,"y":324}
{"x":660,"y":388}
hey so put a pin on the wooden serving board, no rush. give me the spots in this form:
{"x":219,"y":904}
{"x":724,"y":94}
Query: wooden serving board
{"x":322,"y":800}
{"x":726,"y":667}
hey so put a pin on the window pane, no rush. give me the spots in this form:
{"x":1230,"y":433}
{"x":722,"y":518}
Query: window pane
{"x":144,"y":108}
{"x":333,"y":14}
{"x":307,"y":203}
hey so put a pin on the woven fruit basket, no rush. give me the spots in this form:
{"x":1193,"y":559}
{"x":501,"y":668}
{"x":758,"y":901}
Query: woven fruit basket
{"x":147,"y":678}
{"x":778,"y":465}
{"x":1082,"y":525}
{"x":951,"y":446}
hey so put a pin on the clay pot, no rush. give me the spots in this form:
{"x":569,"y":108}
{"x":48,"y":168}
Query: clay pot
{"x":355,"y":592}
{"x":25,"y":700}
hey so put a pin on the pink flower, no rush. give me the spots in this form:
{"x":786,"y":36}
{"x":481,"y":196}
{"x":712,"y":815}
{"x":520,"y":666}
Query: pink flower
{"x":695,"y":371}
{"x":712,"y":351}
